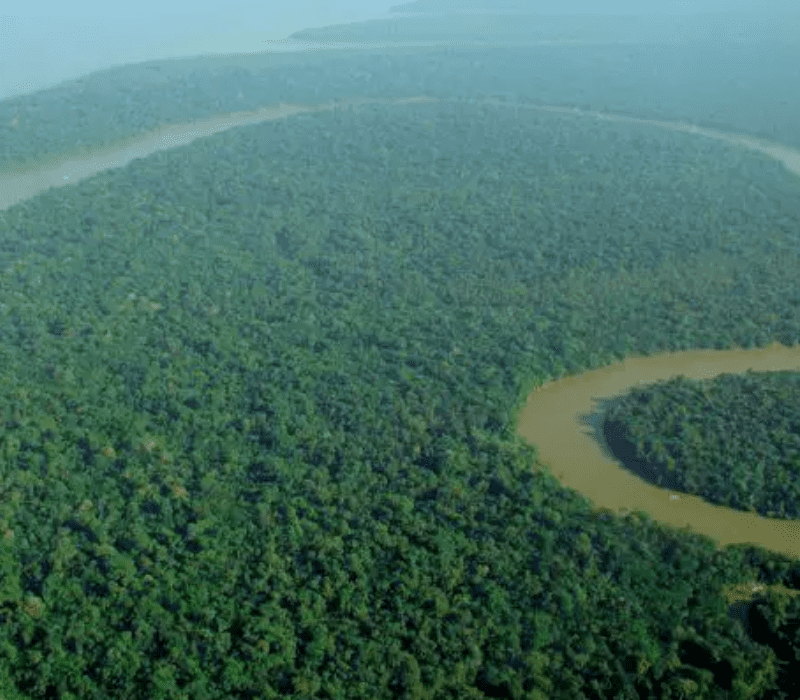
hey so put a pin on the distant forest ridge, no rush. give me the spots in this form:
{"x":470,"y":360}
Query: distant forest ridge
{"x":568,"y":28}
{"x":586,"y":7}
{"x":728,"y":89}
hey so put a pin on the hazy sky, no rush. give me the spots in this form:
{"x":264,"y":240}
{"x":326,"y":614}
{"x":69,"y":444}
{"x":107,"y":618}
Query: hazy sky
{"x":43,"y":42}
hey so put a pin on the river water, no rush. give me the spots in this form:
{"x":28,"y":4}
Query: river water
{"x":563,"y":420}
{"x":561,"y":417}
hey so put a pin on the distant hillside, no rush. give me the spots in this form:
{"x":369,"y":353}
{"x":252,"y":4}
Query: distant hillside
{"x":624,"y":7}
{"x":517,"y":28}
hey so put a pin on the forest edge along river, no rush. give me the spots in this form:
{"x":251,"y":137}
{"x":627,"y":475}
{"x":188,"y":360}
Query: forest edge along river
{"x":562,"y":419}
{"x":559,"y":417}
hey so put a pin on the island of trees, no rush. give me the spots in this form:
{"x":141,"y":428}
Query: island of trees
{"x":734,"y":440}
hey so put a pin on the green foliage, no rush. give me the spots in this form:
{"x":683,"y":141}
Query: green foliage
{"x":732,"y":440}
{"x":256,"y":426}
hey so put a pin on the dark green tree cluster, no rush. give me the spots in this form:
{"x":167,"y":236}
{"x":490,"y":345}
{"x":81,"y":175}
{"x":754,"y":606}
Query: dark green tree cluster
{"x":734,"y":440}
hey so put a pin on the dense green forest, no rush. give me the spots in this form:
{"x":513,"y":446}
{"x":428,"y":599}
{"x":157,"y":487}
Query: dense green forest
{"x":259,"y":398}
{"x":734,"y":440}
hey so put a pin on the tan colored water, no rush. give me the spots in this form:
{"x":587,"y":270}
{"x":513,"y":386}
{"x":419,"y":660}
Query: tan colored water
{"x":552,"y":417}
{"x":60,"y":170}
{"x":561,"y":419}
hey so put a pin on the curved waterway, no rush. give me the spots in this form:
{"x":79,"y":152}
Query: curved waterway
{"x":59,"y":171}
{"x":561,"y":417}
{"x":564,"y":420}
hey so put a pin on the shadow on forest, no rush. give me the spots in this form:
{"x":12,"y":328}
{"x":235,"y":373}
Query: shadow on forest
{"x":615,"y":446}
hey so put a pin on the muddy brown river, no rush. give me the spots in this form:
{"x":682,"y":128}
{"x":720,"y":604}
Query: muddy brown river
{"x":562,"y":419}
{"x":559,"y":417}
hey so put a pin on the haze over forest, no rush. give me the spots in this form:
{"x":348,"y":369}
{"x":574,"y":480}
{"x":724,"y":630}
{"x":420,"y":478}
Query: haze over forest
{"x":456,"y":356}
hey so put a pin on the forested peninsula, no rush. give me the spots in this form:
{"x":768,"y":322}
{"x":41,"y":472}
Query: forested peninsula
{"x":258,"y":394}
{"x":734,"y":440}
